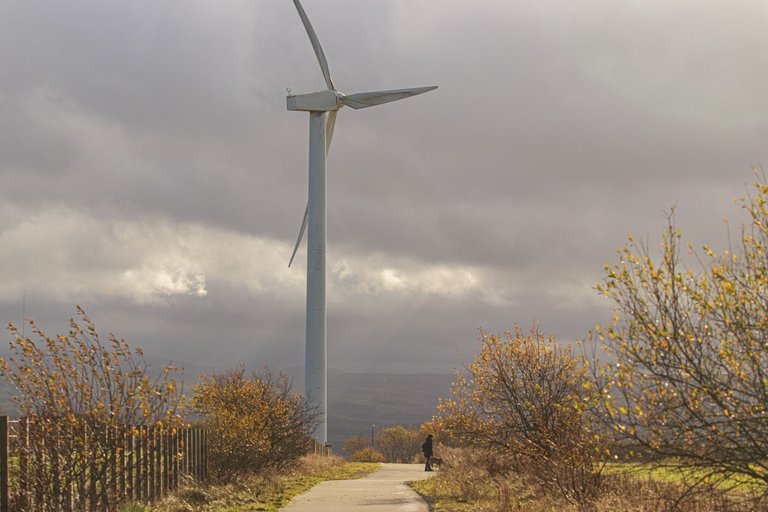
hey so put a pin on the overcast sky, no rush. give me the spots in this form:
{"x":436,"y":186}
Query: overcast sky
{"x":150,"y":172}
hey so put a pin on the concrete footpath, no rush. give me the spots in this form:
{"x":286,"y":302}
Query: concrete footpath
{"x":383,"y":491}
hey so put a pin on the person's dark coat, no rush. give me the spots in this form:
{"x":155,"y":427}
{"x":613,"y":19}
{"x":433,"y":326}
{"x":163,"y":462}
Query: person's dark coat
{"x":426,"y":448}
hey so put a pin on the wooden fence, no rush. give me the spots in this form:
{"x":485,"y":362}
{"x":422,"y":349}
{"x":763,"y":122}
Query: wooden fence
{"x":43,"y":470}
{"x":319,"y":448}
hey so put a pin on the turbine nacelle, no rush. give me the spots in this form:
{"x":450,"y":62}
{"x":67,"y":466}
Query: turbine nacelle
{"x":329,"y":100}
{"x":319,"y":101}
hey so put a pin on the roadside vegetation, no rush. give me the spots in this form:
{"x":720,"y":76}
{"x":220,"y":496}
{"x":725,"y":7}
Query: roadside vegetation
{"x":663,"y":409}
{"x":465,"y":482}
{"x":84,"y":397}
{"x":396,"y":443}
{"x":266,"y":490}
{"x":254,"y":423}
{"x":94,"y":405}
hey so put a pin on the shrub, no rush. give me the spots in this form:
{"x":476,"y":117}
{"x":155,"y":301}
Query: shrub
{"x":253,"y":422}
{"x":83,"y":401}
{"x":400,"y":444}
{"x":464,"y":482}
{"x":688,"y":350}
{"x":527,"y":401}
{"x":356,"y":443}
{"x":467,"y":481}
{"x":368,"y":454}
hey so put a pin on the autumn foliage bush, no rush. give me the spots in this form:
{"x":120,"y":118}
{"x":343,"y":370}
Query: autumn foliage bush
{"x":83,"y":398}
{"x":368,"y":454}
{"x":527,"y":402}
{"x":254,"y":422}
{"x":687,"y":352}
{"x":395,"y":443}
{"x":355,"y":443}
{"x":400,"y":444}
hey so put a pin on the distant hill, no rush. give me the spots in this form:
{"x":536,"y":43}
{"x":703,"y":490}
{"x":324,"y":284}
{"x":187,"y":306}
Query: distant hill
{"x":355,"y":400}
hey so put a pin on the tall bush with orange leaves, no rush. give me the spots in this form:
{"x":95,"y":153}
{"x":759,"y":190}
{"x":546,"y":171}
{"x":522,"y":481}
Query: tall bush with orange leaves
{"x":400,"y":444}
{"x":687,"y":381}
{"x":527,"y":400}
{"x":83,"y":399}
{"x":253,"y":423}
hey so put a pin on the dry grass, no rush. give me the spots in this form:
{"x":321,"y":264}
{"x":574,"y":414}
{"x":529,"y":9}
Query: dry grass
{"x":266,"y":491}
{"x":467,"y":481}
{"x":644,"y":492}
{"x":463,"y":483}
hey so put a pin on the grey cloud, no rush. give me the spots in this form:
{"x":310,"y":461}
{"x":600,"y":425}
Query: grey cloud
{"x":557,"y":129}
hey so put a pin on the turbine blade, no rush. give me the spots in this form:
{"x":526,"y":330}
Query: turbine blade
{"x":330,"y":124}
{"x":301,"y":235}
{"x":371,"y":99}
{"x":315,"y":45}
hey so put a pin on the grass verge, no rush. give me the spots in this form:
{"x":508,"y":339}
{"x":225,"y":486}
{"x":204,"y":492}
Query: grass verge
{"x":463,"y":484}
{"x":266,"y":492}
{"x":662,"y":472}
{"x":440,"y":496}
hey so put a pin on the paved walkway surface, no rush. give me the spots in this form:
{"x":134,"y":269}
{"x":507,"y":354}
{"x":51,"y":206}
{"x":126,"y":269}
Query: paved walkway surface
{"x":383,"y":491}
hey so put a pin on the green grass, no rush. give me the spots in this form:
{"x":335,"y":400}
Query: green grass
{"x":136,"y":507}
{"x":658,"y":473}
{"x":668,"y":473}
{"x":442,"y":498}
{"x":460,"y":491}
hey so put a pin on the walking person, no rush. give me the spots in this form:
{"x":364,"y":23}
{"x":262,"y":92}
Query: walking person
{"x":426,"y":448}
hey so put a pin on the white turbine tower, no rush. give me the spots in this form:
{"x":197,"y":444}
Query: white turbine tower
{"x":323,"y":107}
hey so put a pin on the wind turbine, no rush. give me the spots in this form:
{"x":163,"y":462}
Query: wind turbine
{"x":323,"y":107}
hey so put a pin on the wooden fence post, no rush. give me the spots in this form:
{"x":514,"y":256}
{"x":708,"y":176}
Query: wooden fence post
{"x":198,"y":445}
{"x":205,"y":454}
{"x":145,"y":455}
{"x":150,"y":474}
{"x":23,"y":451}
{"x":4,"y":464}
{"x":122,"y":492}
{"x":176,"y":465}
{"x":166,"y":460}
{"x":130,"y":466}
{"x":157,"y":461}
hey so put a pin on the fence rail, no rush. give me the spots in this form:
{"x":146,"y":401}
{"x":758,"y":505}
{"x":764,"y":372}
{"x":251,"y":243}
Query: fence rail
{"x":44,"y":469}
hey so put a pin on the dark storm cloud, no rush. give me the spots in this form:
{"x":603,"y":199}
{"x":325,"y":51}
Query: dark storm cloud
{"x":150,"y":171}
